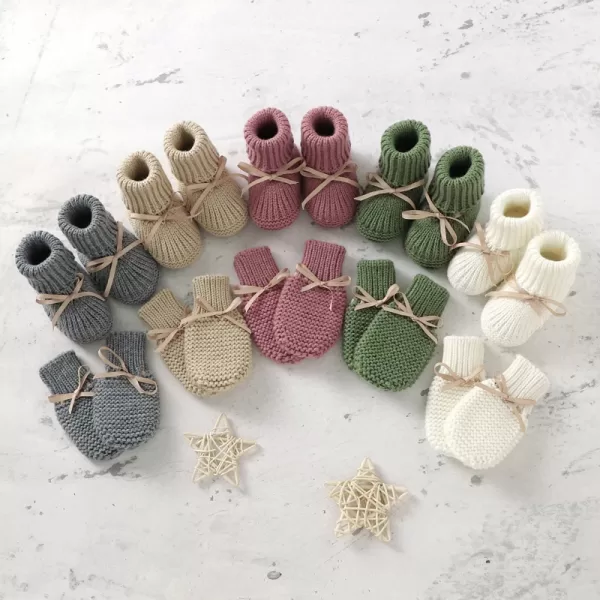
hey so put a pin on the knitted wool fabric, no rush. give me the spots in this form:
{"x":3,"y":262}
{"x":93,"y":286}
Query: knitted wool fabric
{"x":61,"y":376}
{"x":147,"y":190}
{"x":51,"y":269}
{"x":92,"y":231}
{"x":270,"y":146}
{"x":394,"y":350}
{"x":548,"y":269}
{"x":257,"y":267}
{"x":482,"y":430}
{"x":405,"y":158}
{"x":195,"y":160}
{"x":309,"y":323}
{"x":516,"y":216}
{"x":375,"y":277}
{"x":124,"y":417}
{"x":325,"y":146}
{"x":456,"y":190}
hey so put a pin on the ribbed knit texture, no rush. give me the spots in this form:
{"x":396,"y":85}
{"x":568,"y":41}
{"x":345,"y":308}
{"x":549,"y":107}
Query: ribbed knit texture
{"x":482,"y":430}
{"x":516,"y":216}
{"x":325,"y":146}
{"x":456,"y":189}
{"x":310,"y":323}
{"x":405,"y":158}
{"x":92,"y":231}
{"x":194,"y":159}
{"x":61,"y":376}
{"x":270,"y":146}
{"x":394,"y":350}
{"x":147,"y":190}
{"x":51,"y":269}
{"x":548,"y":269}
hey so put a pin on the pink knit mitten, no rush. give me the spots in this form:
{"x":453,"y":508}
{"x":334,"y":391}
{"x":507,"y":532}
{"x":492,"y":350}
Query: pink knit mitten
{"x":309,"y":317}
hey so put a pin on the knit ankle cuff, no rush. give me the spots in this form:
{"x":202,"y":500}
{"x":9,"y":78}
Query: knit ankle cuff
{"x":163,"y":310}
{"x":324,"y":260}
{"x":376,"y":276}
{"x":255,"y":266}
{"x":61,"y":374}
{"x":131,"y":347}
{"x":426,"y":297}
{"x":463,"y":354}
{"x":215,"y":289}
{"x":525,"y":380}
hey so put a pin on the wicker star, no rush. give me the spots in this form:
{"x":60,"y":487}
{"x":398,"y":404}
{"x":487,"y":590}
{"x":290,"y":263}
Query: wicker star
{"x":365,"y":502}
{"x":218,"y":452}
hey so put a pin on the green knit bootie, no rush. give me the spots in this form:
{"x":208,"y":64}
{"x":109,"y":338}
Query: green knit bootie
{"x":375,"y":279}
{"x":395,"y":349}
{"x":455,"y":192}
{"x":404,"y":160}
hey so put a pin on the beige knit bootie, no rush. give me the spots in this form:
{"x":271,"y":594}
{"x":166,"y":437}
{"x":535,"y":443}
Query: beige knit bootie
{"x":210,"y":193}
{"x":157,"y":216}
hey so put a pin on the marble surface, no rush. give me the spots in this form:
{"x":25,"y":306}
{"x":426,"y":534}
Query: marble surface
{"x":85,"y":83}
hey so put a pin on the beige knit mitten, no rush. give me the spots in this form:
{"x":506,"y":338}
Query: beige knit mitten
{"x":210,"y":193}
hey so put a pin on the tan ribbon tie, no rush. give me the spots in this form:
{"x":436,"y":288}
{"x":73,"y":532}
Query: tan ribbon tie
{"x":246,"y":290}
{"x":211,"y":312}
{"x":122,"y":371}
{"x":368,"y":301}
{"x":164,"y":336}
{"x":347,"y":168}
{"x":291,"y":168}
{"x":404,"y":309}
{"x":315,"y":282}
{"x":558,"y":309}
{"x":375,"y":180}
{"x":453,"y":379}
{"x":77,"y":393}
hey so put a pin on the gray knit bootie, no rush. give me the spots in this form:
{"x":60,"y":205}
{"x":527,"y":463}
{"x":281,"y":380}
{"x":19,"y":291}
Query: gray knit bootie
{"x":93,"y":232}
{"x":124,"y":417}
{"x":52,"y":271}
{"x":63,"y":375}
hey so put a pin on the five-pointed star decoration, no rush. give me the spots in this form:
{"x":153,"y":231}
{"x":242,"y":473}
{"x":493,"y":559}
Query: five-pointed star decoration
{"x":365,"y":502}
{"x":218,"y":452}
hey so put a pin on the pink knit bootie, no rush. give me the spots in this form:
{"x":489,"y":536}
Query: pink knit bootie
{"x":262,"y":283}
{"x":274,"y":173}
{"x":309,"y":317}
{"x":329,"y":183}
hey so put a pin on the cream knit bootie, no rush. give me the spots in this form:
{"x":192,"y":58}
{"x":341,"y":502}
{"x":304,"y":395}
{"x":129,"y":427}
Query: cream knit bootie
{"x":516,"y":217}
{"x":484,"y":427}
{"x":210,"y":193}
{"x":460,"y":369}
{"x":542,"y":281}
{"x":157,"y":216}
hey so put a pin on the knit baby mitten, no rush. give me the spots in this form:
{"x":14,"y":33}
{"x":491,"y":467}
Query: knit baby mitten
{"x":399,"y":342}
{"x":404,"y":161}
{"x":450,"y":208}
{"x":540,"y":284}
{"x":210,"y":193}
{"x":461,"y":368}
{"x":310,"y":313}
{"x":487,"y":424}
{"x":114,"y":258}
{"x":70,"y":385}
{"x":127,"y":404}
{"x":156,"y":214}
{"x":516,"y":216}
{"x":66,"y":292}
{"x":329,"y":178}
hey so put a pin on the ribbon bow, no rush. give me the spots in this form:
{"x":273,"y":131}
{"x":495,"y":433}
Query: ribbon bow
{"x":82,"y":374}
{"x":291,"y":168}
{"x":174,"y":211}
{"x":164,"y":336}
{"x":245,"y":290}
{"x":346,"y":169}
{"x":404,"y":309}
{"x":558,"y":309}
{"x":121,"y":370}
{"x":209,"y":311}
{"x":453,"y":379}
{"x":375,"y":180}
{"x":367,"y":301}
{"x":315,"y":282}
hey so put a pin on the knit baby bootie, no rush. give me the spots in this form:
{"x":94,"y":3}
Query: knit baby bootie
{"x":399,"y":342}
{"x":329,"y":178}
{"x":310,"y":313}
{"x":274,"y":173}
{"x":461,"y":368}
{"x":114,"y":258}
{"x":375,"y":287}
{"x":516,"y":217}
{"x":540,"y":284}
{"x":403,"y":164}
{"x":156,"y":214}
{"x":70,"y":384}
{"x":450,"y":208}
{"x":66,"y":292}
{"x":210,"y":193}
{"x":487,"y":424}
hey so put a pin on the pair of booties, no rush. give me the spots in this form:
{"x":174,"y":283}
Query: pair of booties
{"x":387,"y":343}
{"x":106,"y":414}
{"x":479,"y":421}
{"x":322,"y":179}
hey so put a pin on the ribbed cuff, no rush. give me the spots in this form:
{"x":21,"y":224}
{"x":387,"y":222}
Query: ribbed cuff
{"x":131,"y":347}
{"x":61,"y":374}
{"x":426,"y":297}
{"x":162,"y":310}
{"x":323,"y":259}
{"x":215,"y":289}
{"x":375,"y":276}
{"x":255,"y":266}
{"x":525,"y":380}
{"x":463,"y":354}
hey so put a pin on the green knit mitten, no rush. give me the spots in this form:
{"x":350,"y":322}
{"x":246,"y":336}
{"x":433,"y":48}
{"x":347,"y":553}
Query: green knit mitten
{"x":455,"y":191}
{"x":405,"y":158}
{"x":395,"y":349}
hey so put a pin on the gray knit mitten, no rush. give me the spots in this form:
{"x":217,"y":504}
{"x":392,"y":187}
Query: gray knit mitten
{"x":52,"y":271}
{"x":62,"y":376}
{"x":124,"y":417}
{"x":93,"y":232}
